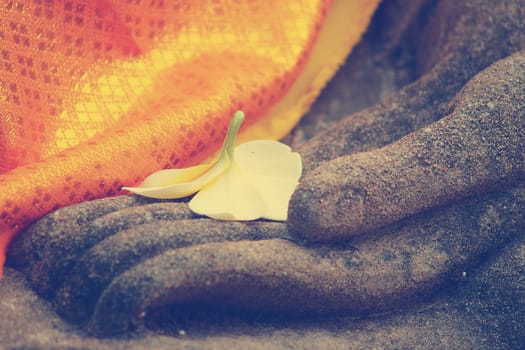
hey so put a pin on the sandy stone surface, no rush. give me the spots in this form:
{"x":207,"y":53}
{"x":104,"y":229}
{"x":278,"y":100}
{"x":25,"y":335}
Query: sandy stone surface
{"x":476,"y":147}
{"x":406,"y":230}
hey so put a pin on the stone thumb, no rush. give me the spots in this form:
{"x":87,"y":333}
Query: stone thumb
{"x":478,"y":147}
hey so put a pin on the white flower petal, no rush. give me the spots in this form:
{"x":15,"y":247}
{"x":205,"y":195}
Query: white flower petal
{"x":229,"y":197}
{"x":181,"y":190}
{"x":276,"y":193}
{"x":179,"y":183}
{"x":254,"y":180}
{"x":173,"y":176}
{"x":269,"y":158}
{"x":166,"y":192}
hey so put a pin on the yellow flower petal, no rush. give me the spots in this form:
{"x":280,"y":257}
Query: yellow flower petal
{"x":162,"y":190}
{"x":172,"y":176}
{"x":274,"y":170}
{"x":269,"y":158}
{"x":258,"y":184}
{"x":229,"y":197}
{"x":275,"y":193}
{"x":254,"y":180}
{"x":179,"y":183}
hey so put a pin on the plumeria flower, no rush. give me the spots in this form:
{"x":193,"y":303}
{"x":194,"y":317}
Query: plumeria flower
{"x":253,"y":180}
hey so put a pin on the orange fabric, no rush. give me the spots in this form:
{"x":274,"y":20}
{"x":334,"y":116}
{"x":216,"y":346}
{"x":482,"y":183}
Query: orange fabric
{"x":97,"y":94}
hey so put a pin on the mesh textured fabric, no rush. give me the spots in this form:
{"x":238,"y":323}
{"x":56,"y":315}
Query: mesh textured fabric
{"x":95,"y":94}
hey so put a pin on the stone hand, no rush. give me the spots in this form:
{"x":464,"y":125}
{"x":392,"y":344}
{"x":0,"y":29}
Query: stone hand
{"x":455,"y":132}
{"x":478,"y":146}
{"x":152,"y":265}
{"x":397,"y":200}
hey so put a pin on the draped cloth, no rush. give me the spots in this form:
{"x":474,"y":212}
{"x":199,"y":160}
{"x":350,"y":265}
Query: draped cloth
{"x":98,"y":94}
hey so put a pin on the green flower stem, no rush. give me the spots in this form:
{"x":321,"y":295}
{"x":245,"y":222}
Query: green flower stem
{"x":229,"y":141}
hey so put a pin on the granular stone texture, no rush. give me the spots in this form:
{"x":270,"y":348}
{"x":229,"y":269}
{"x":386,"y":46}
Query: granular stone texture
{"x":56,"y":241}
{"x":96,"y":269}
{"x":277,"y":276}
{"x":478,"y":146}
{"x":405,"y":232}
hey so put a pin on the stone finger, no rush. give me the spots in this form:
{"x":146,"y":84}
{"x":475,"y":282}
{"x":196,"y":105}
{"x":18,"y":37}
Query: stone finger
{"x":48,"y":249}
{"x":479,"y":146}
{"x":390,"y":269}
{"x":94,"y":270}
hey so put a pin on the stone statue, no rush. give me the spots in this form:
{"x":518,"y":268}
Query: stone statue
{"x":405,"y":231}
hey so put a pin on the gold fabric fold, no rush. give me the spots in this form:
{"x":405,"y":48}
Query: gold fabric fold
{"x":95,"y":95}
